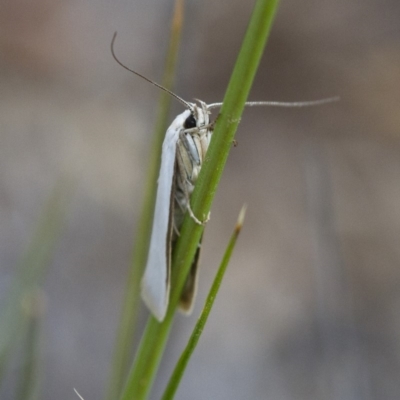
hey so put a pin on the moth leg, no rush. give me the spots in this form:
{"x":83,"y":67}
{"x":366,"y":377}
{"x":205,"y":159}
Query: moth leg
{"x":184,"y":186}
{"x":198,"y":129}
{"x":194,"y":217}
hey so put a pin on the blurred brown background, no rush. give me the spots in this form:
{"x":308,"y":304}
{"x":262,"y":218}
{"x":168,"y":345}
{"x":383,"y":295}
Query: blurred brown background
{"x":309,"y":308}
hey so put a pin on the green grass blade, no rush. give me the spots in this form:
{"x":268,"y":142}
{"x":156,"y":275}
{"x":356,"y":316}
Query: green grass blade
{"x":198,"y":329}
{"x":154,"y":339}
{"x":221,"y":142}
{"x":127,"y":325}
{"x":32,"y":269}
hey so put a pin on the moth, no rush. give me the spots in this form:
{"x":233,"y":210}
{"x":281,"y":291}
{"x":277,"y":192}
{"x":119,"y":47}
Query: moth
{"x":183,"y":152}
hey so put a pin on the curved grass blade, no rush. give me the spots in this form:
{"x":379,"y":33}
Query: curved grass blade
{"x":154,"y":339}
{"x":198,"y":329}
{"x":29,"y":379}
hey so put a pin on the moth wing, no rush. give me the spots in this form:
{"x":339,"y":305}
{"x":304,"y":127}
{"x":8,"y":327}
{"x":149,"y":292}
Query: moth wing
{"x":155,"y":284}
{"x":189,"y":291}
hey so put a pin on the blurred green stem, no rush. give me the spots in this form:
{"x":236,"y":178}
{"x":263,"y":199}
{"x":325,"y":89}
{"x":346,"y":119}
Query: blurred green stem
{"x":127,"y":326}
{"x":32,"y":268}
{"x":29,"y":380}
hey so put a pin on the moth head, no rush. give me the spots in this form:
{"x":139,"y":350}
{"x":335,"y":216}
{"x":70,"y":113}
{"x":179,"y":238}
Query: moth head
{"x":199,"y":115}
{"x":190,"y":121}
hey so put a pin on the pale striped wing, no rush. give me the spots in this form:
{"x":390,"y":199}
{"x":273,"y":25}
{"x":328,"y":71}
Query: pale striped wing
{"x":157,"y":275}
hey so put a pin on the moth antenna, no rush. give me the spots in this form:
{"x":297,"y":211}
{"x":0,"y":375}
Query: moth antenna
{"x":285,"y":103}
{"x":186,"y":104}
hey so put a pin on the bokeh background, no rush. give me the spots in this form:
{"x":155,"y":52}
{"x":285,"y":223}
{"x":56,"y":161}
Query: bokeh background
{"x":309,"y":308}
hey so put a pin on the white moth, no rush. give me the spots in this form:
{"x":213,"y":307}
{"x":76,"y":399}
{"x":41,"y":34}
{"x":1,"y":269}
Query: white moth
{"x":183,"y":152}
